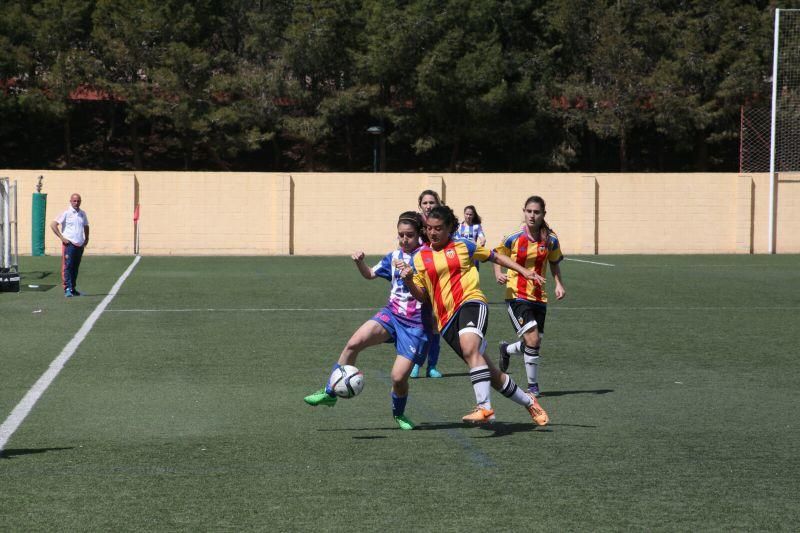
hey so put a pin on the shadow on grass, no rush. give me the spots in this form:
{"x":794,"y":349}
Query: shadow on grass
{"x":453,"y":375}
{"x":16,"y":452}
{"x":553,"y":394}
{"x":36,"y":274}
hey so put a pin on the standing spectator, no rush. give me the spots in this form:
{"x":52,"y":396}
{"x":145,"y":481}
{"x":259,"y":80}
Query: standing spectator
{"x":72,"y":227}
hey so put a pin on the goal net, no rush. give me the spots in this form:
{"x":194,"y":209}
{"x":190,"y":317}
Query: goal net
{"x":786,"y":92}
{"x":755,"y":139}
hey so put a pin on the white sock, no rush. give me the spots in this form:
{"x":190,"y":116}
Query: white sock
{"x":531,"y":357}
{"x":511,"y":391}
{"x":515,"y":348}
{"x":481,"y":384}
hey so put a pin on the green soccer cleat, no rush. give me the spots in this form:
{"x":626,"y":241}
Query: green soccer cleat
{"x":404,"y":422}
{"x":320,"y":398}
{"x":414,"y":372}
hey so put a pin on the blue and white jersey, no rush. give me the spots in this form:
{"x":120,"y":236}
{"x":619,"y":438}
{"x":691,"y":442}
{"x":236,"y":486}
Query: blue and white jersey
{"x":401,"y":303}
{"x":470,"y":232}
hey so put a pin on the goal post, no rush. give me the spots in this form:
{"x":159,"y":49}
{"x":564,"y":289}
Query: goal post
{"x":9,"y":258}
{"x":784,"y":151}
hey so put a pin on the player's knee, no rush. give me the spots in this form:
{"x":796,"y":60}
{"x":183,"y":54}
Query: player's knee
{"x":355,"y":344}
{"x":531,"y":351}
{"x":532,"y":338}
{"x":398,"y":376}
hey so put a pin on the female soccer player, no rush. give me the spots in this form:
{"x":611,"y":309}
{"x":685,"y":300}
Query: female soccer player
{"x":471,"y":228}
{"x":534,"y":246}
{"x":444,"y":274}
{"x":427,"y":200}
{"x":400,"y":322}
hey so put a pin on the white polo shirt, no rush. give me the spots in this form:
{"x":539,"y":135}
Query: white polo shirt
{"x":72,"y":224}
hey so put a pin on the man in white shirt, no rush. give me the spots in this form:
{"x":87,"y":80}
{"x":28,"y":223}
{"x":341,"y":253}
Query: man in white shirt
{"x":72,"y":227}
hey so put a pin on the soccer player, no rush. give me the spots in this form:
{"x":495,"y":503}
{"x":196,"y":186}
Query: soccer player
{"x":399,"y":322}
{"x":443,"y":273}
{"x":534,"y":246}
{"x":471,"y":228}
{"x":427,"y":200}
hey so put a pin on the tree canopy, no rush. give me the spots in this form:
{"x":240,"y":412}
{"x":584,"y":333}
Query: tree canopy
{"x":456,"y":85}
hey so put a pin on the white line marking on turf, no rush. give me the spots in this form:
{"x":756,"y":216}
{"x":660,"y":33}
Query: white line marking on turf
{"x":590,"y":262}
{"x":24,"y":407}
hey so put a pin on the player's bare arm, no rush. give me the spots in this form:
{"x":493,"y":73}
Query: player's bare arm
{"x":358,"y":258}
{"x":499,"y":275}
{"x":504,"y":261}
{"x":555,"y":268}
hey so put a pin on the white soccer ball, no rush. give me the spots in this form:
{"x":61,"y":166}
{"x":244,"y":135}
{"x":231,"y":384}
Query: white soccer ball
{"x":347,"y":381}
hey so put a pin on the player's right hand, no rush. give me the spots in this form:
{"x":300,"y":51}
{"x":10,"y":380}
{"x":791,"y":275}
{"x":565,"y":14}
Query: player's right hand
{"x":358,"y":256}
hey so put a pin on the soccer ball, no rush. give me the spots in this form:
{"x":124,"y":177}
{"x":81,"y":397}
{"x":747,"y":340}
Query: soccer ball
{"x":347,"y":381}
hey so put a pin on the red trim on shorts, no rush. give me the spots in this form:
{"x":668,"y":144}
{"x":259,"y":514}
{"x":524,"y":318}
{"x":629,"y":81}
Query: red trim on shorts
{"x":64,"y":265}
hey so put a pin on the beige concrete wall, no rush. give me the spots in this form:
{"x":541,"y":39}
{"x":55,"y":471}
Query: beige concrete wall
{"x":667,"y":213}
{"x":337,"y":214}
{"x":107,"y":198}
{"x":205,"y":213}
{"x":788,"y":214}
{"x":196,"y":213}
{"x":499,"y":199}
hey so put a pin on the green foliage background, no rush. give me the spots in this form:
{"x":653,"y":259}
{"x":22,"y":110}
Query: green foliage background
{"x":459,"y":85}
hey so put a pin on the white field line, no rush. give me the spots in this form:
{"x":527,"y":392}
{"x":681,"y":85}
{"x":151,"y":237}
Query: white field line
{"x":24,"y":407}
{"x":590,"y":262}
{"x":550,"y":308}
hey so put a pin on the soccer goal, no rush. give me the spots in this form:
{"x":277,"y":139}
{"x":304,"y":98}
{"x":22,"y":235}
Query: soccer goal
{"x":9,"y":259}
{"x":784,"y":152}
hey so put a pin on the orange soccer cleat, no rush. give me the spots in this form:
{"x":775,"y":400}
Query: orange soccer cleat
{"x":479,"y":415}
{"x":538,"y":414}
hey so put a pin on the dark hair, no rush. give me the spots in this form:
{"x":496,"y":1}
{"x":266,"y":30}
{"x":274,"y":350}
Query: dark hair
{"x":428,"y":192}
{"x":446,"y":215}
{"x":545,"y":229}
{"x":413,"y":218}
{"x":476,"y":219}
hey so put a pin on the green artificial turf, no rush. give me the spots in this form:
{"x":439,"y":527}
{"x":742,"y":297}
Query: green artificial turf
{"x":671,"y":382}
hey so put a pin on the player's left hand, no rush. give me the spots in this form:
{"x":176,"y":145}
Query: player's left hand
{"x":560,"y":292}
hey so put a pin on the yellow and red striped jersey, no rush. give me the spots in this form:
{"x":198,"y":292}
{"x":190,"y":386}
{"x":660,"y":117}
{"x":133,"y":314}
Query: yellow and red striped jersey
{"x":533,"y":255}
{"x":450,"y":277}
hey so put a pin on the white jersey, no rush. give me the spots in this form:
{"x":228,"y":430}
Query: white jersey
{"x":470,"y":232}
{"x":72,"y":224}
{"x":401,"y":303}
